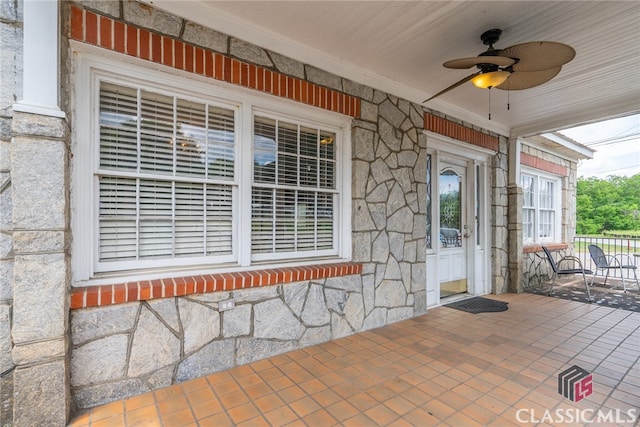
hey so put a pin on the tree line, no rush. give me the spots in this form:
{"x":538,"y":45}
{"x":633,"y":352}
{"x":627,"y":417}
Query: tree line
{"x":608,"y":204}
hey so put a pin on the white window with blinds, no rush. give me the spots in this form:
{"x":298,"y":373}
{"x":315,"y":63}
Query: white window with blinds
{"x":294,"y":191}
{"x":166,"y":178}
{"x":541,"y":208}
{"x":182,"y":181}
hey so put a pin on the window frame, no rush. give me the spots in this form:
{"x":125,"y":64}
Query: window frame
{"x":265,"y":257}
{"x":90,"y":68}
{"x":539,"y":177}
{"x":98,"y":171}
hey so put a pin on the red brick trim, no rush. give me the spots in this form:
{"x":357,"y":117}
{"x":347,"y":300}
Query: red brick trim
{"x":102,"y":295}
{"x":461,"y":133}
{"x":529,"y":249}
{"x":108,"y":33}
{"x":544,"y":165}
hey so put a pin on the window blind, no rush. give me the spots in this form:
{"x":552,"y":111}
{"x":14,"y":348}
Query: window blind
{"x":166,"y":176}
{"x":294,"y":192}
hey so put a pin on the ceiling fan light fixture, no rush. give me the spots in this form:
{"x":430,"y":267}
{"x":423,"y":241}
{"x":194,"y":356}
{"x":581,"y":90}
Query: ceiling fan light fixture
{"x":521,"y":66}
{"x":490,"y":79}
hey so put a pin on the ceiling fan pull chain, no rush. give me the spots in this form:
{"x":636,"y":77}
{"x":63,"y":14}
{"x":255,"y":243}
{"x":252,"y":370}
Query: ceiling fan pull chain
{"x":508,"y":100}
{"x":489,"y":103}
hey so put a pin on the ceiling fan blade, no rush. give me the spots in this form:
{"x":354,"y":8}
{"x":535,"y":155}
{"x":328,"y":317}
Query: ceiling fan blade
{"x":464,"y":63}
{"x":538,"y":56}
{"x":453,"y":86}
{"x":526,"y":79}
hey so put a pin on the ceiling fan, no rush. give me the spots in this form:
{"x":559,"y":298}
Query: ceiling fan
{"x":521,"y":66}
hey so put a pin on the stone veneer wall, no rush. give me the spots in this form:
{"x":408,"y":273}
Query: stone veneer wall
{"x":121,"y":350}
{"x":126,"y":349}
{"x":500,"y":233}
{"x":10,"y":92}
{"x":537,"y":271}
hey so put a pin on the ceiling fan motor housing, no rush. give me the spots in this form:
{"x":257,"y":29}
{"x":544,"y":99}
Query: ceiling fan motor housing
{"x":487,"y":68}
{"x":490,"y":37}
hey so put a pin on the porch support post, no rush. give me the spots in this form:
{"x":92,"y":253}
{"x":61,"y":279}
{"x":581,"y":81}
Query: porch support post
{"x":40,"y":327}
{"x":514,"y":194}
{"x":39,"y":196}
{"x":40,"y":58}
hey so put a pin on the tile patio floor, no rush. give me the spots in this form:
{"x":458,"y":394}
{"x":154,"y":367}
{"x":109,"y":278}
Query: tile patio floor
{"x":445,"y":368}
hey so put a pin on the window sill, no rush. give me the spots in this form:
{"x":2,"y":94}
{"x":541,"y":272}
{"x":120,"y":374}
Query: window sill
{"x":537,"y":247}
{"x":120,"y":293}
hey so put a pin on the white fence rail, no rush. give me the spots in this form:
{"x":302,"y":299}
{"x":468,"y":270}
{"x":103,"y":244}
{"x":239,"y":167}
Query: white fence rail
{"x":626,"y":247}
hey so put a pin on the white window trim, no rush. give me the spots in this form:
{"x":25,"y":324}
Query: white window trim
{"x":557,"y":202}
{"x":91,"y":63}
{"x":107,"y":267}
{"x":262,"y":257}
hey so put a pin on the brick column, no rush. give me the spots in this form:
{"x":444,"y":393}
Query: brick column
{"x":39,"y":180}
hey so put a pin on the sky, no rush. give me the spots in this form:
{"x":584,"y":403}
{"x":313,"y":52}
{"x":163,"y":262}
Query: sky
{"x":617,"y":145}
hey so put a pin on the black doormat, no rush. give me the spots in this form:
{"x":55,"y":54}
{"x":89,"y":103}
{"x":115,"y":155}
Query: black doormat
{"x":605,"y":295}
{"x":478,"y":305}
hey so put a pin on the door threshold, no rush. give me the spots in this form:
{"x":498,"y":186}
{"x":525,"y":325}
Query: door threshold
{"x":455,"y":297}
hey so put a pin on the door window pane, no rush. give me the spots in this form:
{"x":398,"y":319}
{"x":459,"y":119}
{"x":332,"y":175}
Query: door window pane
{"x":450,"y":214}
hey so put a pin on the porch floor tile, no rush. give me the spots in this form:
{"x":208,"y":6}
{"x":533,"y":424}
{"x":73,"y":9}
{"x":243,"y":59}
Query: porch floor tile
{"x":444,"y":368}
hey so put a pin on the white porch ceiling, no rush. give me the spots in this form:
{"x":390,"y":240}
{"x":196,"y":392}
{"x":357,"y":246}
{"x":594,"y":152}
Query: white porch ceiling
{"x":399,"y":47}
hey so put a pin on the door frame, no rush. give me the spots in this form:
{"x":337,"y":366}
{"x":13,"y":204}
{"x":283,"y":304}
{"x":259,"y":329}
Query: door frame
{"x":477,"y":160}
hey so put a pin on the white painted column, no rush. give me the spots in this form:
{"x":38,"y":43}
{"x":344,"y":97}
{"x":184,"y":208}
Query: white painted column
{"x":514,"y":150}
{"x":41,"y":47}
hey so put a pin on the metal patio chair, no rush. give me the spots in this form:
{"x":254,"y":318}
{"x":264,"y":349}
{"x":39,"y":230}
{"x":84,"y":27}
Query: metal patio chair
{"x":611,"y":262}
{"x":557,"y":271}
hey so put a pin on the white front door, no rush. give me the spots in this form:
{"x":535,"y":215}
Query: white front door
{"x":453,"y":233}
{"x":458,"y":219}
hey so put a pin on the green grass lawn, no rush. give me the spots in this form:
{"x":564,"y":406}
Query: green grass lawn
{"x":623,"y":233}
{"x":609,"y":243}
